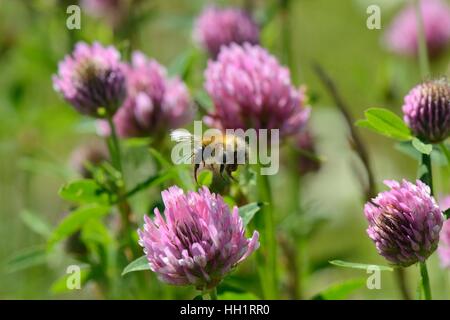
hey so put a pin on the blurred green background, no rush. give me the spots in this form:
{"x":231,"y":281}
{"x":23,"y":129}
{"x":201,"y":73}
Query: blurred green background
{"x":38,"y":130}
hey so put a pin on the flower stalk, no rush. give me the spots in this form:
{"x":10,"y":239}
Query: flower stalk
{"x":114,"y":146}
{"x":269,"y":237}
{"x":427,"y":177}
{"x":446,"y":152}
{"x":423,"y":50}
{"x":286,"y":26}
{"x":122,"y":204}
{"x":213,"y":294}
{"x":425,"y":280}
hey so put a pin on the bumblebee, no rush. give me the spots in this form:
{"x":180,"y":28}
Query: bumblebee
{"x":221,"y":153}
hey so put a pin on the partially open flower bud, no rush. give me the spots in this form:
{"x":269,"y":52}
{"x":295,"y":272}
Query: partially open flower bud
{"x":92,"y":79}
{"x":427,"y":110}
{"x":404,"y":222}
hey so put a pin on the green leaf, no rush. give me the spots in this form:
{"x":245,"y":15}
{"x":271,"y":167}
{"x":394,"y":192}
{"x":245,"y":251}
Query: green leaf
{"x":159,"y":158}
{"x":35,"y":223}
{"x":94,"y":231}
{"x":198,"y":297}
{"x":406,"y":148}
{"x":83,"y":192}
{"x":75,"y":221}
{"x":151,"y":181}
{"x":203,"y":101}
{"x":363,"y":266}
{"x":248,"y":211}
{"x":422,"y":147}
{"x":364,"y":124}
{"x":184,"y":178}
{"x":182,"y":65}
{"x":238,"y":296}
{"x":229,"y":200}
{"x":341,"y":290}
{"x":205,"y":178}
{"x":27,"y":258}
{"x":270,"y":31}
{"x":447,"y":213}
{"x":139,"y":264}
{"x":386,"y":123}
{"x":137,"y":142}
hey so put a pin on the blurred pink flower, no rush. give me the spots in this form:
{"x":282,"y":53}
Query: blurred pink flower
{"x":444,"y":204}
{"x":444,"y":242}
{"x":112,"y":10}
{"x":216,"y":27}
{"x":155,"y":103}
{"x":198,"y":242}
{"x":250,"y":89}
{"x":402,"y":36}
{"x":92,"y":77}
{"x":404,"y":222}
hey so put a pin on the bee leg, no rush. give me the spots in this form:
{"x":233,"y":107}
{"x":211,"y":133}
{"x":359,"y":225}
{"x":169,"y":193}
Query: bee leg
{"x":196,"y":166}
{"x":221,"y":171}
{"x":231,"y":177}
{"x":230,"y":170}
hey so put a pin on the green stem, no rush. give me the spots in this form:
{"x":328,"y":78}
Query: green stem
{"x":122,"y":204}
{"x":213,"y":294}
{"x":446,"y":152}
{"x":427,"y":177}
{"x":423,"y":50}
{"x":425,"y":280}
{"x":400,"y":277}
{"x":117,"y":153}
{"x":446,"y":169}
{"x":271,"y":277}
{"x":288,"y":56}
{"x":299,"y":273}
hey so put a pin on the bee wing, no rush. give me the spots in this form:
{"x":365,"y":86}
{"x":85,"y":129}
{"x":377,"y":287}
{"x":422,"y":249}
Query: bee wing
{"x":185,"y":137}
{"x":181,"y":135}
{"x":188,"y":157}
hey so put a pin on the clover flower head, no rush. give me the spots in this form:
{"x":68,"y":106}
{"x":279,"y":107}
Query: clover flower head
{"x":92,"y":78}
{"x":198,"y":241}
{"x":404,"y":222}
{"x":250,"y":89}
